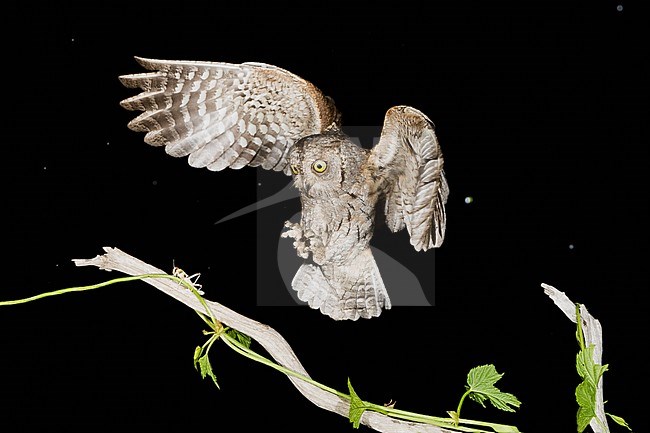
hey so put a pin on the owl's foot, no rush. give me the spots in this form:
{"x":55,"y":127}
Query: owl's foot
{"x":295,"y":231}
{"x":302,"y":249}
{"x":301,"y":244}
{"x":314,"y":245}
{"x":317,"y":251}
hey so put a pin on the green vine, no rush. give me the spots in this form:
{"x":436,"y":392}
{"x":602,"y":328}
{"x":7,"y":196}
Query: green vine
{"x":240,"y":343}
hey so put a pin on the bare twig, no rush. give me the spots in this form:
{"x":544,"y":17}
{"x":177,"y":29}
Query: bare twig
{"x":267,"y":337}
{"x":593,"y":334}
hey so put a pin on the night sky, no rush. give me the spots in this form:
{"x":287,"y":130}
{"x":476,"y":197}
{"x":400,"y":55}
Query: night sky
{"x":538,"y":111}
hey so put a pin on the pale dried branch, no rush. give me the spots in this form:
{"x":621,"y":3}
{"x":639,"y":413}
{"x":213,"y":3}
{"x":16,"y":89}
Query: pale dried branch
{"x":267,"y":337}
{"x":593,"y":334}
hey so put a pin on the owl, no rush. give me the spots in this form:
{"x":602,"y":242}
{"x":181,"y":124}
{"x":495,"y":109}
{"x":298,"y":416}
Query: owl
{"x":222,"y":115}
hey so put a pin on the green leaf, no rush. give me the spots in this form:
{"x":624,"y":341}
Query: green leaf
{"x":206,"y":369}
{"x":197,"y":354}
{"x":620,"y":421}
{"x":587,"y":368}
{"x":244,"y":339}
{"x":357,"y":407}
{"x":590,"y":372}
{"x":585,"y":395}
{"x":481,"y":380}
{"x":479,"y":398}
{"x":587,"y":407}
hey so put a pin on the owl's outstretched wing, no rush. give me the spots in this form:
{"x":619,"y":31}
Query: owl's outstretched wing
{"x":407,"y":164}
{"x":226,"y":115}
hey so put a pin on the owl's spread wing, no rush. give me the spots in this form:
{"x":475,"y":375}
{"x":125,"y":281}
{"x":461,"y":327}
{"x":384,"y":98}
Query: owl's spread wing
{"x":226,"y":115}
{"x":407,"y":164}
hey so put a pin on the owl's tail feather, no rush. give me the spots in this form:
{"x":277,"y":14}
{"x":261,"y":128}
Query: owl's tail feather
{"x":347,"y":291}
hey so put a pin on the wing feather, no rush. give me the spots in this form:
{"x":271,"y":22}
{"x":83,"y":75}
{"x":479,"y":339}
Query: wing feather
{"x":407,"y":166}
{"x":226,"y":115}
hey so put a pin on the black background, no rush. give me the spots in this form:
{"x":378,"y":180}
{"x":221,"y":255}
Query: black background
{"x":537,"y":110}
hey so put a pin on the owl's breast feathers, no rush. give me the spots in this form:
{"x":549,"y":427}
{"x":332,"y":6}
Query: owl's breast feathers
{"x":341,"y":226}
{"x":343,"y":281}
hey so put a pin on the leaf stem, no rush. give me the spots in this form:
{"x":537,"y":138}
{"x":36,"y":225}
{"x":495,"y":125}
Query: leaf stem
{"x":579,"y":332}
{"x":460,"y":403}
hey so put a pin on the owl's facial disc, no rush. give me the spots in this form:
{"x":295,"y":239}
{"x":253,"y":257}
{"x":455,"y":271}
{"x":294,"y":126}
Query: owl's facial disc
{"x":315,"y":163}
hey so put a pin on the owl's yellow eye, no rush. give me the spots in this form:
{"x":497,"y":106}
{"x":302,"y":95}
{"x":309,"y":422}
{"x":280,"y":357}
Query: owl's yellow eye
{"x":319,"y":166}
{"x":295,"y":169}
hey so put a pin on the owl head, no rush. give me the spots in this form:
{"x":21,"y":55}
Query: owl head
{"x":323,"y":164}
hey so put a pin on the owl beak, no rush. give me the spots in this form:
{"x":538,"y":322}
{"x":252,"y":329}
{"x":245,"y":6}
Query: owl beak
{"x":301,"y":185}
{"x":307,"y":189}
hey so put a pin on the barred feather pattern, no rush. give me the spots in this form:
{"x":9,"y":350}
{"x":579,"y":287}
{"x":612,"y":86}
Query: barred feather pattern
{"x":226,"y":115}
{"x":348,"y":292}
{"x":407,"y":164}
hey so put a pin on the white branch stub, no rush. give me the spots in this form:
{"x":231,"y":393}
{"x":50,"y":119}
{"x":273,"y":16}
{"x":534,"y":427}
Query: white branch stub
{"x":593,"y":334}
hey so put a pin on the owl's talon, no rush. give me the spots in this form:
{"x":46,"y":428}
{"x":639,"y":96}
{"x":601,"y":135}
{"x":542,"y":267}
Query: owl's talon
{"x":291,"y":234}
{"x":302,"y":248}
{"x":295,"y":231}
{"x":318,"y":256}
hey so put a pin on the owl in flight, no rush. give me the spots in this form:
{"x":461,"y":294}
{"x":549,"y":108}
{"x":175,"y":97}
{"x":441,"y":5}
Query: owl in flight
{"x":223,"y":115}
